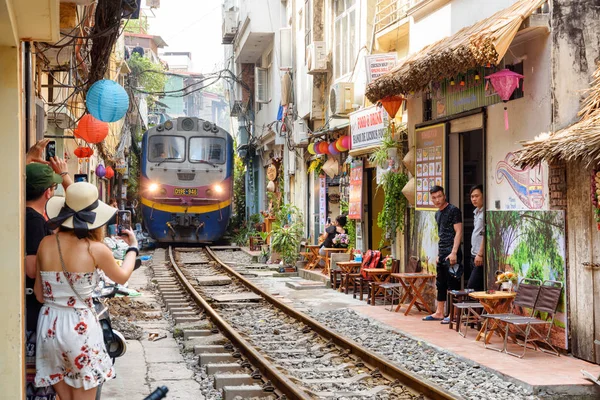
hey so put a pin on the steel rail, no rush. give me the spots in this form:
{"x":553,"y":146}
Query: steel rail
{"x":407,"y":378}
{"x":269,"y":371}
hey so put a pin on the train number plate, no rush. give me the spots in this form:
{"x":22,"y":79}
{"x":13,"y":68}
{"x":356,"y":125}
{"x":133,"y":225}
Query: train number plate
{"x":186,"y":192}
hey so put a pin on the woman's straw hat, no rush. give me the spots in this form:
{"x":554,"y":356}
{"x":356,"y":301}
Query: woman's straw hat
{"x":80,"y":209}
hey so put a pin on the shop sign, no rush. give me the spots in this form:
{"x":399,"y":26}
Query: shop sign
{"x":322,"y":202}
{"x":430,"y":167}
{"x":367,"y":127}
{"x":356,"y":177}
{"x":380,"y":64}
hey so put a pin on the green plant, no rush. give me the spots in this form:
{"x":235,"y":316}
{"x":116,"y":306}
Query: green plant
{"x":147,"y":75}
{"x":316,"y":165}
{"x":239,"y":191}
{"x":241,"y":237}
{"x":380,"y":156}
{"x":285,"y":241}
{"x":391,"y":217}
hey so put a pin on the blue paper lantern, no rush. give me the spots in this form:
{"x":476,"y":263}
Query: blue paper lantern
{"x":107,"y":101}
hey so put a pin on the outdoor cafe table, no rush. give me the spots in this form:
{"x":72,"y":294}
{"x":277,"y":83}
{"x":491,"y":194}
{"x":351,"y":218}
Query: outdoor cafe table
{"x":328,"y":252}
{"x":413,"y":289}
{"x":313,"y":255}
{"x":347,"y":268}
{"x":494,"y":303}
{"x":377,"y":277}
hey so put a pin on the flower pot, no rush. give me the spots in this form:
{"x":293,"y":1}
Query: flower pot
{"x":507,"y":286}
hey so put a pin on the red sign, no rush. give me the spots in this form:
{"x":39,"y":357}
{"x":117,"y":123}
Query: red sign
{"x":356,"y":175}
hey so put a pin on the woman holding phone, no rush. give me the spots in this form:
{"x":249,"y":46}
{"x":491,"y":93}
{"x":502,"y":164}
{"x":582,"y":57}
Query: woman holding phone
{"x":71,"y":353}
{"x":331,"y":230}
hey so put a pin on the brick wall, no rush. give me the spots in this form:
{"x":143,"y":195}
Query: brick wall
{"x":557,"y":175}
{"x":248,"y":79}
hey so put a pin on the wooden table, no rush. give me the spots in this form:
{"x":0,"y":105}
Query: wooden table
{"x":313,"y":256}
{"x":379,"y":276}
{"x":346,"y":269}
{"x":328,"y":251}
{"x":413,"y":285}
{"x":493,"y":303}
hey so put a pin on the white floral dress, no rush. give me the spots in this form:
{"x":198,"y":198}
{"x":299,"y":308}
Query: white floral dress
{"x":69,"y":340}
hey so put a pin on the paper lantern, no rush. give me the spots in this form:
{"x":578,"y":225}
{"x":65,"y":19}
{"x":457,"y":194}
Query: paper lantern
{"x":107,"y":101}
{"x":346,"y":142}
{"x":311,"y":148}
{"x":505,"y":82}
{"x":100,"y":171}
{"x":83,"y":152}
{"x":91,"y":130}
{"x":339,"y":146}
{"x":392,"y":104}
{"x":324,"y":147}
{"x":109,"y":172}
{"x":332,"y":150}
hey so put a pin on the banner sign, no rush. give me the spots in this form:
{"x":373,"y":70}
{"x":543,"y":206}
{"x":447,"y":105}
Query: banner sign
{"x":322,"y":202}
{"x":431,"y":151}
{"x":380,"y":64}
{"x":367,"y":127}
{"x":356,"y":175}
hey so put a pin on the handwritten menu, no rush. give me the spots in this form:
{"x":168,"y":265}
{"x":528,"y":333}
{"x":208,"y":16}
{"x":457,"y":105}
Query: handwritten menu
{"x":430,"y":166}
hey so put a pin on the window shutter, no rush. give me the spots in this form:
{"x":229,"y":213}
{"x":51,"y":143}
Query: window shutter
{"x":261,"y":88}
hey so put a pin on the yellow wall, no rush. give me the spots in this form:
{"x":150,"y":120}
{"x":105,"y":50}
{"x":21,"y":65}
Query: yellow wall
{"x":12,"y":208}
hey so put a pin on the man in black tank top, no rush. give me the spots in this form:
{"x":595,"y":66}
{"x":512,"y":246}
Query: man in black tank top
{"x":449,"y":222}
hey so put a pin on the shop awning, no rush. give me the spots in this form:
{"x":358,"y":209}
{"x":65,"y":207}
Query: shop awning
{"x":484,"y":42}
{"x":580,"y":141}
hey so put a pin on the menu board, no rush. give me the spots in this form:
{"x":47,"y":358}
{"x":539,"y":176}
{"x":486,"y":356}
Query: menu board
{"x":430,"y":165}
{"x":356,"y":175}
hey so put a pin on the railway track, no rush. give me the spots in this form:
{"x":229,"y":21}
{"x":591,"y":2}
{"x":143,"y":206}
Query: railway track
{"x":290,"y":354}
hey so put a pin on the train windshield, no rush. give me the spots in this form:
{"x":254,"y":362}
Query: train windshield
{"x":207,"y":149}
{"x":166,"y":148}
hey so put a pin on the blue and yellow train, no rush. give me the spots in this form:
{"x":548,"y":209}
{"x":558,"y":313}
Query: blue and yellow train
{"x":186,"y":181}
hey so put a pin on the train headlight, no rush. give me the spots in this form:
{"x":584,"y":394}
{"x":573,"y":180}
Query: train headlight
{"x":168,"y":125}
{"x":218,"y":189}
{"x":153,"y":187}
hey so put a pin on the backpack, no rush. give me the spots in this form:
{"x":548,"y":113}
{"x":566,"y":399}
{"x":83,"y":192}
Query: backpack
{"x":370,"y":260}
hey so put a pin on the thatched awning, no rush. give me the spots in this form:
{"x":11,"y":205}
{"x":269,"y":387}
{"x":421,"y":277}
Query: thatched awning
{"x":477,"y":45}
{"x":580,"y":141}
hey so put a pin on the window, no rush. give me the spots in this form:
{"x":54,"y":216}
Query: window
{"x":345,"y":36}
{"x":307,"y":26}
{"x":207,"y":150}
{"x":166,"y":148}
{"x":261,"y":82}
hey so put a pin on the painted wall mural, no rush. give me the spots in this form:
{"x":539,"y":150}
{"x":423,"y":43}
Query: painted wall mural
{"x":532,"y":244}
{"x":526,"y":183}
{"x":424,"y":245}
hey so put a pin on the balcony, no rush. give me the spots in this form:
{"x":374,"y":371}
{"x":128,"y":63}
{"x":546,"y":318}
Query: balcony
{"x":388,"y":12}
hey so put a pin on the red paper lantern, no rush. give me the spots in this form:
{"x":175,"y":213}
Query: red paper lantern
{"x":91,"y":130}
{"x":109,"y":172}
{"x":83,"y":152}
{"x":324,"y":147}
{"x":392,"y":104}
{"x":505,"y":82}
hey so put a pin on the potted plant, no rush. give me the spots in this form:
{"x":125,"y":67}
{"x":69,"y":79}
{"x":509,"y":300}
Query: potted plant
{"x":285,"y":240}
{"x":264,"y":254}
{"x":507,"y":280}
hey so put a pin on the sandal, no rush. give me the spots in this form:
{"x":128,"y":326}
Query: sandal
{"x":431,"y":318}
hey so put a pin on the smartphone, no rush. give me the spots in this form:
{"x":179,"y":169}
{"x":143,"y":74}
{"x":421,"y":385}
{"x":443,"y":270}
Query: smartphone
{"x":81,"y":178}
{"x":50,"y":150}
{"x":329,"y":221}
{"x":123,"y":221}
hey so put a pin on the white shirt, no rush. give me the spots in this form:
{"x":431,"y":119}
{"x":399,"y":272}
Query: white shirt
{"x":478,"y":231}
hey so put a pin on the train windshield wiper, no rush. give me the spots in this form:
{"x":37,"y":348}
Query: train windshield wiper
{"x":205,"y":162}
{"x":167,"y":159}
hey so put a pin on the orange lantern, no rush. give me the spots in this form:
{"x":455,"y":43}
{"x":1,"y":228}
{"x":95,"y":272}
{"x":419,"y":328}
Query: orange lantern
{"x":324,"y":147}
{"x":83,"y":152}
{"x":109,"y":172}
{"x":91,"y":130}
{"x":392,"y":104}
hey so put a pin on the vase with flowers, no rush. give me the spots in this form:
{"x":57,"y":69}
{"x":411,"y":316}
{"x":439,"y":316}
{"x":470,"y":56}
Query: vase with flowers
{"x":507,"y":280}
{"x":341,"y":240}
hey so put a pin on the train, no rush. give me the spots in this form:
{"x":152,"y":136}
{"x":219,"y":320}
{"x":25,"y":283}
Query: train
{"x":186,"y":181}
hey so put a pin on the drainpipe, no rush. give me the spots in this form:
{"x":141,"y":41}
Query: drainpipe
{"x":28,"y":84}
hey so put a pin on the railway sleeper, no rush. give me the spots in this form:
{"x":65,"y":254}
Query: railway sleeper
{"x":337,"y":381}
{"x":361,"y":394}
{"x":229,"y":379}
{"x":337,"y":368}
{"x":246,"y":392}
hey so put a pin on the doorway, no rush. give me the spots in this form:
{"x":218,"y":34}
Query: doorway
{"x":373,"y":204}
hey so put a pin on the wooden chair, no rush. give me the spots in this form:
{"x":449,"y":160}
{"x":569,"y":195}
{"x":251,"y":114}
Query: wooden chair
{"x":375,"y":286}
{"x":334,"y":271}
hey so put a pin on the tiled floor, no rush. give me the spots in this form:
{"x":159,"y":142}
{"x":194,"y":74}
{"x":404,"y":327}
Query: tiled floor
{"x":536,"y":368}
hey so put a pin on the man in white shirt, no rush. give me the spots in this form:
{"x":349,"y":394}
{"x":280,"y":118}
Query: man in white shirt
{"x":477,"y":240}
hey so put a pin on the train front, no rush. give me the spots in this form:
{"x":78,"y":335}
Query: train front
{"x":186,"y":181}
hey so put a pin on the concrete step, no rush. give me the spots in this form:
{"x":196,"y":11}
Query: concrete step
{"x":214,"y":358}
{"x":212,"y":369}
{"x":222,"y":380}
{"x":304,"y":285}
{"x":216,"y":280}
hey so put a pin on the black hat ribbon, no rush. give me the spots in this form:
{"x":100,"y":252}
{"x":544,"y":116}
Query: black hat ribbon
{"x":80,"y":219}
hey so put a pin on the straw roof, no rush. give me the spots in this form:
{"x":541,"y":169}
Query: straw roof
{"x":580,"y":141}
{"x":484,"y":42}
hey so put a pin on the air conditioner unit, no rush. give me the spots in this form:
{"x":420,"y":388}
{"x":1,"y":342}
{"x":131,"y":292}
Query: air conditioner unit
{"x":341,"y":97}
{"x":316,"y":60}
{"x":300,"y":131}
{"x":230,"y":26}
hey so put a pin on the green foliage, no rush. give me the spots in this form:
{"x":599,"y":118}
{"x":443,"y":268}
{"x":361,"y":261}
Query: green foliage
{"x":391,"y":217}
{"x":316,"y":165}
{"x":147,"y":75}
{"x":350,"y":227}
{"x":380,"y":156}
{"x":287,"y":232}
{"x":239,"y":191}
{"x":137,"y":25}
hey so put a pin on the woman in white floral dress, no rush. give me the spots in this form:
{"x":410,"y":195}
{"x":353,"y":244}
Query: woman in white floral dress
{"x":71,"y":354}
